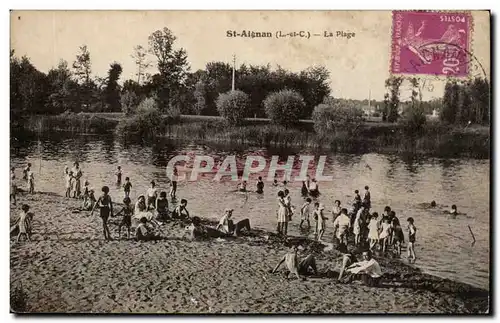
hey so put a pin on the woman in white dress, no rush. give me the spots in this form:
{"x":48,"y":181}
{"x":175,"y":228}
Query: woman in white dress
{"x":373,"y":229}
{"x":282,"y":214}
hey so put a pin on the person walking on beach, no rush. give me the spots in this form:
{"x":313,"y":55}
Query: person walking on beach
{"x":127,"y":186}
{"x":118,"y":175}
{"x":314,"y":188}
{"x":105,"y":206}
{"x":127,"y":212}
{"x":305,"y":211}
{"x":31,"y":182}
{"x":341,"y":226}
{"x":288,"y":202}
{"x":77,"y":173}
{"x":282,"y":214}
{"x":373,"y":229}
{"x":412,"y":231}
{"x":152,"y":194}
{"x":260,"y":186}
{"x":13,"y":186}
{"x":295,"y":266}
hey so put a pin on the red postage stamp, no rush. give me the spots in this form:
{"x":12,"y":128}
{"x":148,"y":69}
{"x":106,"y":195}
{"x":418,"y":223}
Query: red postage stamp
{"x":432,"y":43}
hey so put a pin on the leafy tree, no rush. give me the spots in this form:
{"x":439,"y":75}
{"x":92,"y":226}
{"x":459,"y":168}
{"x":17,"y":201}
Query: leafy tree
{"x":393,"y":84}
{"x":63,"y":90}
{"x":82,"y":67}
{"x":199,"y":95}
{"x":284,"y":107}
{"x":232,"y":106}
{"x":112,"y":90}
{"x":142,"y":63}
{"x":172,"y":66}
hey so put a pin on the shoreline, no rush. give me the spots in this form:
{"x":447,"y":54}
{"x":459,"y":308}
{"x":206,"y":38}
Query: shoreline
{"x":215,"y":276}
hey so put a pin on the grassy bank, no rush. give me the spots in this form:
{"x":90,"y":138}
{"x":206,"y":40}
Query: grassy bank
{"x":372,"y":136}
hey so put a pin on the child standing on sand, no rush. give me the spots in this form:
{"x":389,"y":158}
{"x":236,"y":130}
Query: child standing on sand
{"x":13,"y":186}
{"x":373,"y":229}
{"x":31,"y":182}
{"x":412,"y":231}
{"x":127,"y":212}
{"x":260,"y":186}
{"x":282,"y":214}
{"x":173,"y":184}
{"x":367,"y":198}
{"x":304,"y":213}
{"x":321,"y":220}
{"x":357,"y":200}
{"x":24,"y":223}
{"x":385,"y":232}
{"x":118,"y":175}
{"x":25,"y":171}
{"x":304,"y":191}
{"x":152,"y":194}
{"x":127,"y":186}
{"x":357,"y":228}
{"x":288,"y":201}
{"x":397,"y":233}
{"x":69,"y":183}
{"x":105,"y":206}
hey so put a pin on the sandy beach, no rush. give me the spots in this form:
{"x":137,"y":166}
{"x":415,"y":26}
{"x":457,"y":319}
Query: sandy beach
{"x":69,"y":267}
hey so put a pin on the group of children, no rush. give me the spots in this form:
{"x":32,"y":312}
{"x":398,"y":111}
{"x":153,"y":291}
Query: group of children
{"x":28,"y":176}
{"x":368,"y":230}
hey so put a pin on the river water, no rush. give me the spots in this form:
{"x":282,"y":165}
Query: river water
{"x":443,"y":245}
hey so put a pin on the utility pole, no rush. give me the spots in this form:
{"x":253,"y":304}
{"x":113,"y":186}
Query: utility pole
{"x":234,"y":66}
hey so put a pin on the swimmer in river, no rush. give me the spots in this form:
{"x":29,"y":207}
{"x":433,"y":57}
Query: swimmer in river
{"x":453,"y":212}
{"x":242,"y":187}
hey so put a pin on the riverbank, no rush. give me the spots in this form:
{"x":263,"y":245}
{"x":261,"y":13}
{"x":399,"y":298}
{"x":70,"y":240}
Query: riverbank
{"x":435,"y":139}
{"x":69,"y":268}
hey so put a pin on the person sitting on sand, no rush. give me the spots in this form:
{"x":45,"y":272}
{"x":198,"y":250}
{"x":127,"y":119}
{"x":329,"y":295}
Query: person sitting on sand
{"x":105,"y":206}
{"x":143,"y":233}
{"x":88,"y":203}
{"x":127,"y":212}
{"x":295,"y":266}
{"x":227,"y":226}
{"x":260,"y":186}
{"x":314,"y":188}
{"x":13,"y":186}
{"x":152,"y":194}
{"x":368,"y":268}
{"x":342,"y":262}
{"x":181,"y":212}
{"x":162,"y":207}
{"x":305,"y":211}
{"x":198,"y":231}
{"x":341,"y":226}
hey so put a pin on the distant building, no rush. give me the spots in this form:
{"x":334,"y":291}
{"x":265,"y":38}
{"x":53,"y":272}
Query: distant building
{"x":368,"y":110}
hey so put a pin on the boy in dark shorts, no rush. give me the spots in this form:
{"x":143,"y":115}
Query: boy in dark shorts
{"x":127,"y":212}
{"x":127,"y":186}
{"x":105,"y":206}
{"x":162,"y":207}
{"x":412,"y":231}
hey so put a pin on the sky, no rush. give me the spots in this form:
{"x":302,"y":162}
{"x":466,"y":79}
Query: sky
{"x":358,"y":66}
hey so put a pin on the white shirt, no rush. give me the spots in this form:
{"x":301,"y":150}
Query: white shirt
{"x":152,"y":191}
{"x":369,"y":267}
{"x":313,"y":186}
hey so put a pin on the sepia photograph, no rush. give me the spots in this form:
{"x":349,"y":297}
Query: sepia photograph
{"x":250,"y":162}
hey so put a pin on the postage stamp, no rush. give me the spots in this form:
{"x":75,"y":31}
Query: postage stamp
{"x":432,"y":43}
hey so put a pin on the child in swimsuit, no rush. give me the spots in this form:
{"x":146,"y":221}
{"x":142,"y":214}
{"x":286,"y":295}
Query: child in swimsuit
{"x":105,"y":206}
{"x":260,"y":186}
{"x":127,"y":186}
{"x":127,"y":212}
{"x":162,"y":207}
{"x":412,"y":231}
{"x":304,"y":213}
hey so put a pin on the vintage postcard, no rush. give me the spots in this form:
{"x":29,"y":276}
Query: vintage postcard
{"x":210,"y":162}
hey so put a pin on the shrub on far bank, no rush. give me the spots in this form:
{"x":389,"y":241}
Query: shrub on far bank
{"x":129,"y":102}
{"x":284,"y":107}
{"x":232,"y":106}
{"x":413,"y":121}
{"x":336,"y":118}
{"x":148,"y":122}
